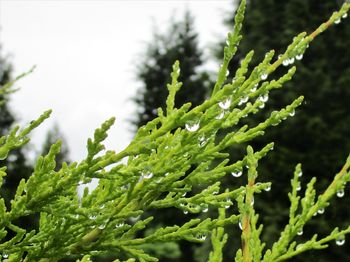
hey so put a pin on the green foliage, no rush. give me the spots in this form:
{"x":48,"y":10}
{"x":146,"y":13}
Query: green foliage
{"x":52,"y":137}
{"x":315,"y":135}
{"x":180,"y":151}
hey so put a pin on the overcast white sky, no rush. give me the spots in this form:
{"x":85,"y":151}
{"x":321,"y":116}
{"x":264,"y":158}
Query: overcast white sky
{"x":85,"y":52}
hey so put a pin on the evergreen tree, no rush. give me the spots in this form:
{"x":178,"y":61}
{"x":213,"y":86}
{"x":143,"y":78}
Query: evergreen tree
{"x":323,"y":123}
{"x":17,"y":164}
{"x":180,"y":42}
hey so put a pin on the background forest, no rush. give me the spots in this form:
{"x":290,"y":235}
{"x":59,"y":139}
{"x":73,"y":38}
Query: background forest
{"x":317,"y":136}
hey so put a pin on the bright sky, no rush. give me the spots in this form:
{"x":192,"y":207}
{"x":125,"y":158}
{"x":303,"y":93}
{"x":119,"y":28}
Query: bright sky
{"x":86,"y":54}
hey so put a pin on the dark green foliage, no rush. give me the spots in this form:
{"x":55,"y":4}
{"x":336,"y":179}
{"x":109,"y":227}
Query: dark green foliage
{"x":317,"y":136}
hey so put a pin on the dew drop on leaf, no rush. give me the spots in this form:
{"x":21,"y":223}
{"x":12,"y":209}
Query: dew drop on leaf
{"x":300,"y":232}
{"x":340,"y":241}
{"x":102,"y":226}
{"x":225,"y":104}
{"x":320,"y":210}
{"x":299,"y":57}
{"x":299,"y":187}
{"x":147,"y":175}
{"x":263,"y":76}
{"x":340,"y":193}
{"x":220,"y":116}
{"x":264,"y":98}
{"x":300,"y":174}
{"x":240,"y":224}
{"x":192,"y":127}
{"x":337,"y":21}
{"x":237,"y":173}
{"x":243,"y":100}
{"x":267,"y":189}
{"x":201,"y":237}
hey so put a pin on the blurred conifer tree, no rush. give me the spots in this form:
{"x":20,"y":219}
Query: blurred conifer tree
{"x":180,"y":42}
{"x":17,"y":163}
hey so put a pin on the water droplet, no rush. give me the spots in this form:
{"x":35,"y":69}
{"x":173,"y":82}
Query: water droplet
{"x":267,"y":189}
{"x":254,"y":88}
{"x":252,"y":202}
{"x":102,"y":226}
{"x":320,"y":210}
{"x":291,"y":60}
{"x":119,"y":225}
{"x":227,"y":72}
{"x":345,"y":15}
{"x":202,"y":141}
{"x":166,"y":174}
{"x":192,"y":128}
{"x":261,"y":106}
{"x":299,"y":57}
{"x":340,"y":241}
{"x":300,"y":174}
{"x":337,"y":21}
{"x":201,"y":237}
{"x":237,"y":173}
{"x":102,"y":206}
{"x":184,"y":194}
{"x":92,"y":217}
{"x":240,"y":224}
{"x":264,"y":98}
{"x":225,"y":104}
{"x":300,"y":232}
{"x":229,"y":203}
{"x":178,"y":71}
{"x":340,"y":193}
{"x":135,"y":219}
{"x":185,"y":212}
{"x":285,"y":62}
{"x":5,"y":255}
{"x":205,"y":210}
{"x":292,"y":113}
{"x":219,"y":117}
{"x":298,"y":187}
{"x":147,"y":175}
{"x":264,"y":76}
{"x":243,"y":100}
